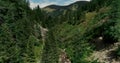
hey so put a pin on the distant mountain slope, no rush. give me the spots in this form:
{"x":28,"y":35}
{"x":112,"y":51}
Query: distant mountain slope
{"x":53,"y":8}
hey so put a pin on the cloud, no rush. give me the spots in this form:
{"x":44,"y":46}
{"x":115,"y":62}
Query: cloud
{"x":82,"y":0}
{"x":33,"y":4}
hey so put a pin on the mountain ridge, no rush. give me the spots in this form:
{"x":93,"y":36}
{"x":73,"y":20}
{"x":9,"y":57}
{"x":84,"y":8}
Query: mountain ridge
{"x":52,"y":8}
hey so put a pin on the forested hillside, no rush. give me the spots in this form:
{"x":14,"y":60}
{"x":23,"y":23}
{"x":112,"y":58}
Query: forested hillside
{"x":68,"y":36}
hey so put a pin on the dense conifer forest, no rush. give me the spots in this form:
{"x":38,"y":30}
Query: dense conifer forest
{"x":68,"y":36}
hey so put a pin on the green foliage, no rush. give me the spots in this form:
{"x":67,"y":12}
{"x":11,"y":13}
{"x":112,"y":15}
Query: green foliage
{"x":7,"y":42}
{"x":95,"y":61}
{"x":17,"y":38}
{"x":50,"y":51}
{"x":112,"y":26}
{"x":20,"y":34}
{"x":118,"y":52}
{"x":70,"y":38}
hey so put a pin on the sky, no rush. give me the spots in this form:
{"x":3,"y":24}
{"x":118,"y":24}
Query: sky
{"x":43,"y":3}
